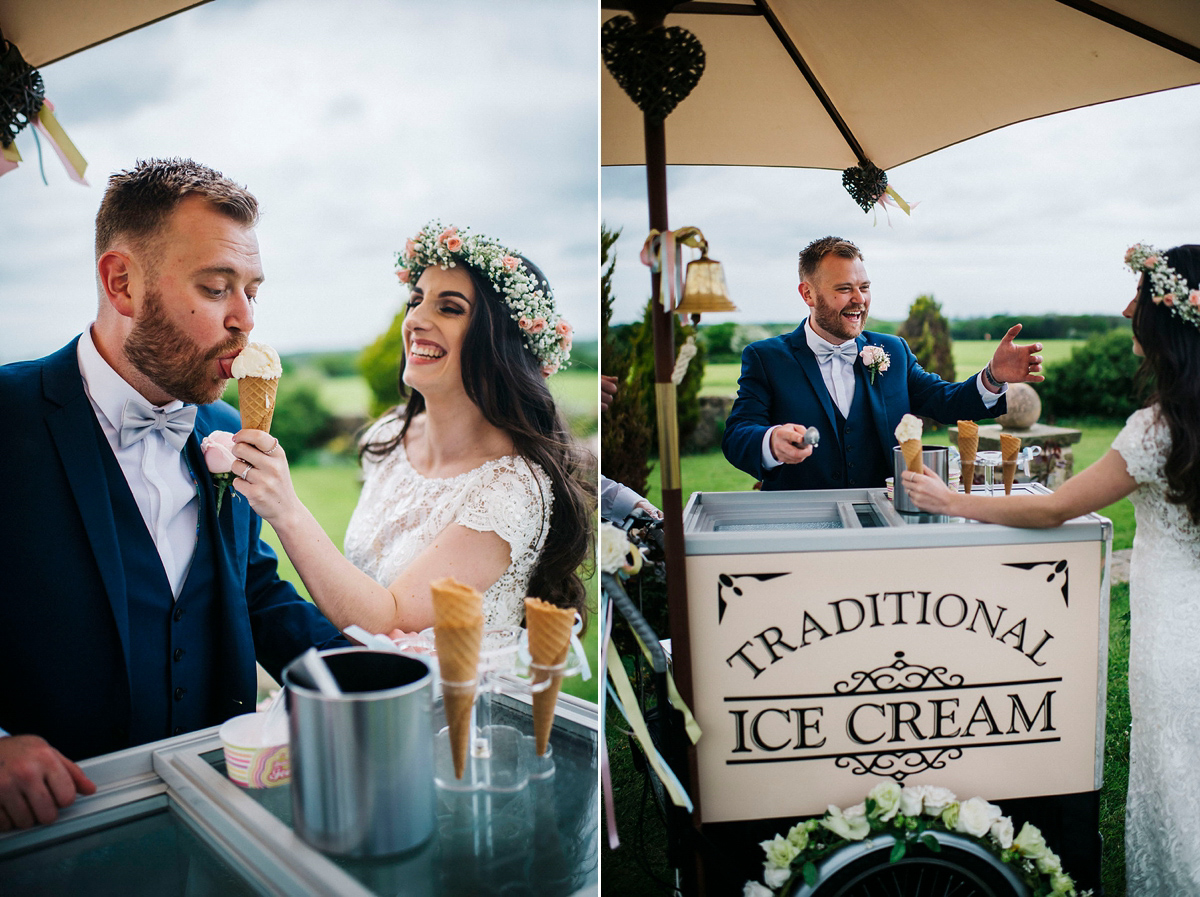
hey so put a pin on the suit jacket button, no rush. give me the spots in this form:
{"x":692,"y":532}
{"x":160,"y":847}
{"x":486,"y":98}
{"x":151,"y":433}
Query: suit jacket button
{"x":178,"y":730}
{"x":178,"y":614}
{"x":179,"y":693}
{"x":179,"y":652}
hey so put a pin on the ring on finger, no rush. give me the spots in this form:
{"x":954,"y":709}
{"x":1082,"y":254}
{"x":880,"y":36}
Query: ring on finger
{"x":272,"y":448}
{"x":245,"y":474}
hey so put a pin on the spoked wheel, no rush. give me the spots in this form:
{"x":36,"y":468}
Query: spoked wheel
{"x":961,"y":869}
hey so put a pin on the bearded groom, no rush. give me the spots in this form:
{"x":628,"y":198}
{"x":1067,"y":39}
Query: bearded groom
{"x":851,"y":384}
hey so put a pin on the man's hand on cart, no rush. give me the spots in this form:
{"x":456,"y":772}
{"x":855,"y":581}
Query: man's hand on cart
{"x":35,"y":782}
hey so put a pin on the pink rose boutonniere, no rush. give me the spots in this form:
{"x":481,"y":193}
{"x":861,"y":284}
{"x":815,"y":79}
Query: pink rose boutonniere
{"x":876,"y":360}
{"x":219,"y":457}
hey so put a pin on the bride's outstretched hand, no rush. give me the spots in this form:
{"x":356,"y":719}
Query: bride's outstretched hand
{"x":262,"y":474}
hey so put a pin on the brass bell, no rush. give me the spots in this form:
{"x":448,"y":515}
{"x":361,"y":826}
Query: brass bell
{"x":704,"y":287}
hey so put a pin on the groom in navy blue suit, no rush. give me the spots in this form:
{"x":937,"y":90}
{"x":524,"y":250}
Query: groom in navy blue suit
{"x":132,"y":610}
{"x":818,"y":375}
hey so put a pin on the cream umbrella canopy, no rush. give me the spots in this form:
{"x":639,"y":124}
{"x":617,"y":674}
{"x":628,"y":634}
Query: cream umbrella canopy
{"x":49,"y":30}
{"x":816,"y":84}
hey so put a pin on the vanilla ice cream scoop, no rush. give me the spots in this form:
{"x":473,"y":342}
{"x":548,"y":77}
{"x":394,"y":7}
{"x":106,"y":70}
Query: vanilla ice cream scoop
{"x":908,"y":428}
{"x":257,"y":360}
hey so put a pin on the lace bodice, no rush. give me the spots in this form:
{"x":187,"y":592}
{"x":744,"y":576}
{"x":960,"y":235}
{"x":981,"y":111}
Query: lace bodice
{"x":400,"y":512}
{"x":1162,"y":836}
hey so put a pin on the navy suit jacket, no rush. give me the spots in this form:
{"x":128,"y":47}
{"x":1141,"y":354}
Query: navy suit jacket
{"x":64,"y":667}
{"x":781,"y":383}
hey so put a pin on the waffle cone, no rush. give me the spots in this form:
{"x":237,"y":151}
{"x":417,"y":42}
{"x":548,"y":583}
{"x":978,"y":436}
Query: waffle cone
{"x":549,"y":630}
{"x":912,"y":455}
{"x":457,"y":636}
{"x":968,"y":441}
{"x":1009,"y":447}
{"x":1010,"y":475}
{"x":968,"y":475}
{"x":256,"y":402}
{"x":457,"y":702}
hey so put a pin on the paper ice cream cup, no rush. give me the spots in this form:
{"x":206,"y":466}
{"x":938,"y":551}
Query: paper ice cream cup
{"x":254,"y":756}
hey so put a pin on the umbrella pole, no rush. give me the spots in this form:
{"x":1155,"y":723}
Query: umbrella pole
{"x":681,"y":754}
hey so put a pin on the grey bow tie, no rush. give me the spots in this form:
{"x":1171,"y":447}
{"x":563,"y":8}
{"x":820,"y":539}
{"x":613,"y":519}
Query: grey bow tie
{"x":848,"y":351}
{"x":137,"y":421}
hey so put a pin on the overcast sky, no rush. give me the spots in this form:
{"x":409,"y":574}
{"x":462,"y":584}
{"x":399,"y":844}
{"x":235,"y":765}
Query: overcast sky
{"x":1029,"y":219}
{"x":353,"y":124}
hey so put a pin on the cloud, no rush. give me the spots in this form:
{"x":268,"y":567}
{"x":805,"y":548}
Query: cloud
{"x":353,"y":124}
{"x":1027,"y":219}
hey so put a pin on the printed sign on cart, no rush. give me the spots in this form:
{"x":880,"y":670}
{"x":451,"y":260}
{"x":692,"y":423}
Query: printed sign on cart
{"x":817,"y":674}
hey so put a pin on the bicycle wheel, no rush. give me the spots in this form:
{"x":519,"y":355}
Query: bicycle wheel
{"x":961,"y":869}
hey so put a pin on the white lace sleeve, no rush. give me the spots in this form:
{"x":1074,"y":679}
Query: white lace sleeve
{"x":513,"y":501}
{"x":1142,"y":446}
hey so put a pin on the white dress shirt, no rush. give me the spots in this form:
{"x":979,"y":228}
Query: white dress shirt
{"x":838,"y":375}
{"x":157,"y":474}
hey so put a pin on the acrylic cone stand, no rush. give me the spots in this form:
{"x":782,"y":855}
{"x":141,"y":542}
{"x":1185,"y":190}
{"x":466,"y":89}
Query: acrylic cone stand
{"x":501,"y":759}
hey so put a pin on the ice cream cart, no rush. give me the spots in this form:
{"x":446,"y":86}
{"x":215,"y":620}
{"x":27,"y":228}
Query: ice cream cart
{"x":836,"y":643}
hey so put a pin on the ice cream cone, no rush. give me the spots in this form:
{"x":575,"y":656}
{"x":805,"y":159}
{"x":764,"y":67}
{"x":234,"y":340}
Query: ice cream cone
{"x":912,"y":455}
{"x":1009,"y":447}
{"x":549,"y":641}
{"x":256,"y":402}
{"x":968,"y":445}
{"x":457,"y":636}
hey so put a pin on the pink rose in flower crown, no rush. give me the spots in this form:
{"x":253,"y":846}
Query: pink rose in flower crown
{"x":524,"y":323}
{"x":510,"y":262}
{"x":447,"y":234}
{"x":549,"y":368}
{"x":562,"y":328}
{"x":1194,"y":297}
{"x":537,"y":325}
{"x":402,"y":274}
{"x":217,"y":447}
{"x":1129,"y":254}
{"x":410,"y":249}
{"x":1151,"y":261}
{"x":454,"y":243}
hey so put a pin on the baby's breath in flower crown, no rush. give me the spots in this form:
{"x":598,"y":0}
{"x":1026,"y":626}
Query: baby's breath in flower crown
{"x":544,"y":332}
{"x":1167,"y":286}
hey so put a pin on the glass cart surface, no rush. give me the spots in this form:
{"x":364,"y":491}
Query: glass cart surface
{"x":165,"y":820}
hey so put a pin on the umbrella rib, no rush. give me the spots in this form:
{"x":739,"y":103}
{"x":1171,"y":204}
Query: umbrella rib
{"x":1134,"y":27}
{"x":835,"y":116}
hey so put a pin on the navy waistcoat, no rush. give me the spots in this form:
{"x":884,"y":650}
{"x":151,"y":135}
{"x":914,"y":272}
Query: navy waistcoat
{"x":172,"y":642}
{"x":864,"y":465}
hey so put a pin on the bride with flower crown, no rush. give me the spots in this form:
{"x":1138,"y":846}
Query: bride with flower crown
{"x":1155,"y":460}
{"x":474,"y":477}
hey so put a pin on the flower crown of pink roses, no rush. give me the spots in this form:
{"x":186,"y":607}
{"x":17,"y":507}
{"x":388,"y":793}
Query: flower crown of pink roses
{"x":530,"y":302}
{"x":1167,"y":286}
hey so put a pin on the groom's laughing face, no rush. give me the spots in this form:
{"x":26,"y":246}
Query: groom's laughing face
{"x":840,"y":298}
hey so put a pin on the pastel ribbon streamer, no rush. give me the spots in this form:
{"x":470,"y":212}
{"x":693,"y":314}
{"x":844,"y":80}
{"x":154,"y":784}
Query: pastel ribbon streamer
{"x":610,"y":811}
{"x":662,"y":253}
{"x":70,"y":157}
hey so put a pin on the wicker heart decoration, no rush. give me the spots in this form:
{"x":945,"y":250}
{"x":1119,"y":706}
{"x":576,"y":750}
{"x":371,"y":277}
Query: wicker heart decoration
{"x":657,"y":68}
{"x":865,"y":183}
{"x":21,"y":92}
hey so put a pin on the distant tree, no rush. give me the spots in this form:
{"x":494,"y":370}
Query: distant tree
{"x":625,"y":429}
{"x":1097,"y":380}
{"x":718,"y":341}
{"x":927,"y":333}
{"x":380,"y":367}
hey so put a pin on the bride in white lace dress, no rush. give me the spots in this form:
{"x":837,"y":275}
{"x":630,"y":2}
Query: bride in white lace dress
{"x":474,"y":477}
{"x":1155,"y":460}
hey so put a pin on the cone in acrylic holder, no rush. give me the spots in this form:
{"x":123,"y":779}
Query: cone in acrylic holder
{"x":549,"y":629}
{"x":256,"y":402}
{"x":1010,"y":446}
{"x":458,"y":637}
{"x":968,"y":445}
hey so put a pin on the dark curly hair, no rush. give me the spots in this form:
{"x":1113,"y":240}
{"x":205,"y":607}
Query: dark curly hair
{"x":1170,"y":373}
{"x":505,"y":380}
